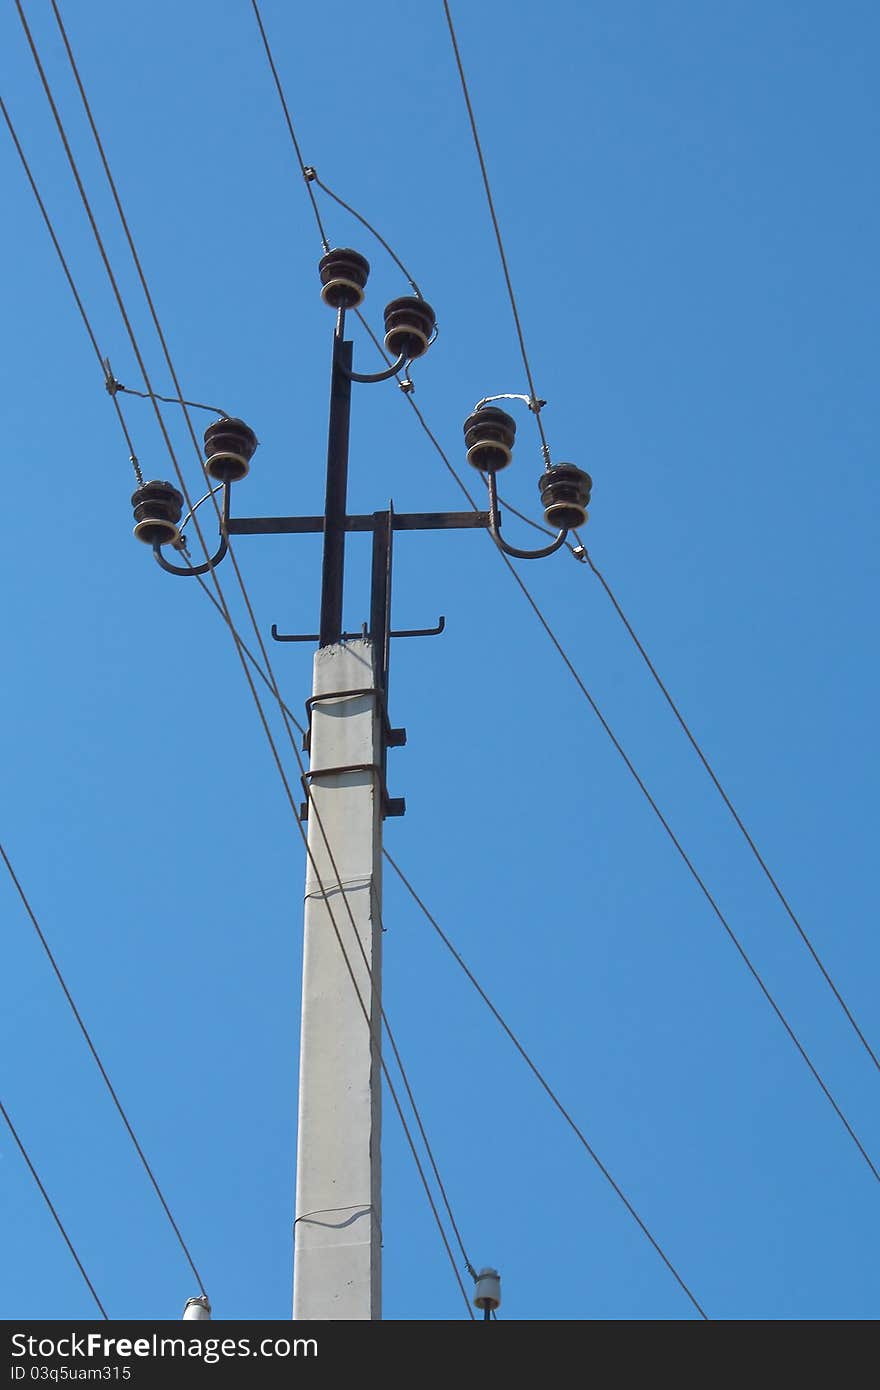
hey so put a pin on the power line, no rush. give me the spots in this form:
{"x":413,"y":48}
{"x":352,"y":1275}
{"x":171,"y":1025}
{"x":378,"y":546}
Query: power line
{"x":256,"y":9}
{"x":697,"y":749}
{"x":72,"y":283}
{"x":58,"y":1222}
{"x":648,"y":797}
{"x":101,"y":1068}
{"x":693,"y":871}
{"x":113,"y":386}
{"x":534,"y":403}
{"x":545,"y":1083}
{"x":582,"y":553}
{"x":729,"y":804}
{"x":311,"y":175}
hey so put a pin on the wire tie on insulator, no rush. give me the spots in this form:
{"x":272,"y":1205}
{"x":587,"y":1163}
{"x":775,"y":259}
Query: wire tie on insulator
{"x":110,"y":382}
{"x":471,"y":1271}
{"x":310,"y":173}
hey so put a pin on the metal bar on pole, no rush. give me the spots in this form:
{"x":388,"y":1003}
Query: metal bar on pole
{"x":333,"y":568}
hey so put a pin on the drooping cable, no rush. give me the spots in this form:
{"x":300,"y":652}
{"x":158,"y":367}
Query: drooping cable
{"x":57,"y":1219}
{"x":566,"y":1115}
{"x":302,"y":165}
{"x":133,"y":458}
{"x":101,"y":1068}
{"x":581,"y":552}
{"x":692,"y":870}
{"x":535,"y":403}
{"x":312,"y":175}
{"x":697,"y":749}
{"x":115,"y":386}
{"x":649,"y":798}
{"x":729,"y":804}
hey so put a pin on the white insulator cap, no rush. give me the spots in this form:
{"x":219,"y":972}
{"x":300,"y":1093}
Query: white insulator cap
{"x":487,"y":1291}
{"x":197,"y":1309}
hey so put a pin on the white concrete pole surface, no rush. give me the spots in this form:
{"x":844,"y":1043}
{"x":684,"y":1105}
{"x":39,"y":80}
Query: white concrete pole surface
{"x":337,"y":1233}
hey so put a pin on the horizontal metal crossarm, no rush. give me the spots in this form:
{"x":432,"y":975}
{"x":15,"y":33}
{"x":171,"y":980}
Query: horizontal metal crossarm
{"x":401,"y":521}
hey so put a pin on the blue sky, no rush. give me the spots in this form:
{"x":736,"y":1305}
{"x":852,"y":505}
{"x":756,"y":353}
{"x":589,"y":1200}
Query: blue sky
{"x":690,"y":205}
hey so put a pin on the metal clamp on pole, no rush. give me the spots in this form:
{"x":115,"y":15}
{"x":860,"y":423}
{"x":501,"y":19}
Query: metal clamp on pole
{"x":391,"y":805}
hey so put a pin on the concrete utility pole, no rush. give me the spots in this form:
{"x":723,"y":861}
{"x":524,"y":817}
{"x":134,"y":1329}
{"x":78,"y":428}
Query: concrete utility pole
{"x":338,"y":1224}
{"x":338,"y":1230}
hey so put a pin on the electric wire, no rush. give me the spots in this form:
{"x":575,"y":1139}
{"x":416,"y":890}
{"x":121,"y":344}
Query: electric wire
{"x":364,"y":223}
{"x":58,"y":1222}
{"x":133,"y":458}
{"x":582,"y":553}
{"x":428,"y":1149}
{"x":649,"y":798}
{"x":239,"y":576}
{"x":534,"y":405}
{"x":729,"y":804}
{"x":697,"y":749}
{"x":412,"y":1100}
{"x":169,"y":400}
{"x":281,"y":97}
{"x":102,"y":1069}
{"x":747,"y":961}
{"x":566,"y":1115}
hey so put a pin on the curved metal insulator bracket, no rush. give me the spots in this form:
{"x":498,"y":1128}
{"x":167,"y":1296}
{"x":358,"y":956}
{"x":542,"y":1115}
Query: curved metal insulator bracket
{"x":192,"y":570}
{"x":495,"y":531}
{"x":369,"y":377}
